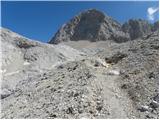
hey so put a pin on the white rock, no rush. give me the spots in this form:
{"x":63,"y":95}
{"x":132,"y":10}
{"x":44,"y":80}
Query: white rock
{"x":113,"y":72}
{"x":154,"y":104}
{"x":145,"y":107}
{"x":26,"y":63}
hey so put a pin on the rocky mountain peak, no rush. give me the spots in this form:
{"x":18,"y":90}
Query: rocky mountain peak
{"x":92,"y":12}
{"x":92,"y":25}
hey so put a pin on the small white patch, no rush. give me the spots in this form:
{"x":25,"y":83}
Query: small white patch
{"x":3,"y":71}
{"x":83,"y":118}
{"x":113,"y":72}
{"x":101,"y":63}
{"x":11,"y":73}
{"x":155,"y":103}
{"x":107,"y":65}
{"x":26,"y":63}
{"x":145,"y":107}
{"x":5,"y":91}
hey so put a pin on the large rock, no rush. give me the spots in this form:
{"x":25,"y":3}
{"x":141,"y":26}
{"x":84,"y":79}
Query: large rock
{"x":91,"y":25}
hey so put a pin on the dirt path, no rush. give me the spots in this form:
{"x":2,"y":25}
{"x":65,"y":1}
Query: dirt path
{"x":116,"y":101}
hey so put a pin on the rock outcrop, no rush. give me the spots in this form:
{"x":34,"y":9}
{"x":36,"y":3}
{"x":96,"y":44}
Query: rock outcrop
{"x":91,"y":25}
{"x":155,"y":26}
{"x":138,"y":28}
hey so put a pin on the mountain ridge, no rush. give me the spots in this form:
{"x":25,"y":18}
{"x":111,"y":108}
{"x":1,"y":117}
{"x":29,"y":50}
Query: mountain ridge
{"x":94,"y":25}
{"x":90,"y":24}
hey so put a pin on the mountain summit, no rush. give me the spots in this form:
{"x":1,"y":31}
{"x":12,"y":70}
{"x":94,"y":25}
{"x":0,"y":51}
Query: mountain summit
{"x":92,"y":25}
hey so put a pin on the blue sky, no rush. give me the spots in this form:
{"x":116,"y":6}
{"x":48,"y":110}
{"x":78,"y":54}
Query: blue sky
{"x":41,"y":20}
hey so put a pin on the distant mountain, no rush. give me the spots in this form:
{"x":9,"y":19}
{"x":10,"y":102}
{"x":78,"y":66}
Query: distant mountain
{"x":138,"y":28}
{"x":90,"y":25}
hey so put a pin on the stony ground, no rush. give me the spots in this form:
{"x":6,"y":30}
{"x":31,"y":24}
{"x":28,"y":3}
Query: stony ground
{"x":79,"y":79}
{"x":138,"y":64}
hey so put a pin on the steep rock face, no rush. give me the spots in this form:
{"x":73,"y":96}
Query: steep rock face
{"x":90,"y":25}
{"x":155,"y":26}
{"x":138,"y":28}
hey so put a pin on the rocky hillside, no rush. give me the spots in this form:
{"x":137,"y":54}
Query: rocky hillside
{"x":56,"y":81}
{"x":22,"y":57}
{"x":138,"y":64}
{"x":79,"y":78}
